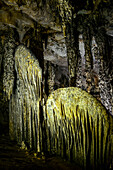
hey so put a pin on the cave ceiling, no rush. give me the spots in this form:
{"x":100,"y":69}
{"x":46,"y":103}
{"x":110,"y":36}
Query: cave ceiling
{"x":47,"y":18}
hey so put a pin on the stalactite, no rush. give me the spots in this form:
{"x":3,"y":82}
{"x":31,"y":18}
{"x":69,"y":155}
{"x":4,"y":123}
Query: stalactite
{"x":25,"y":119}
{"x":65,"y":11}
{"x":80,"y":79}
{"x":95,"y":68}
{"x":78,"y":128}
{"x":82,"y":49}
{"x":95,"y":54}
{"x":51,"y":77}
{"x":8,"y":77}
{"x":88,"y":59}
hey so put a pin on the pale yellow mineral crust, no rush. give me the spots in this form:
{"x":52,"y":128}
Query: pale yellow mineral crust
{"x":24,"y":114}
{"x":79,"y":126}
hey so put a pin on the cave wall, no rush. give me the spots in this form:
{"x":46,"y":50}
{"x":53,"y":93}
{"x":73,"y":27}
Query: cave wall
{"x":89,"y":52}
{"x":97,"y":74}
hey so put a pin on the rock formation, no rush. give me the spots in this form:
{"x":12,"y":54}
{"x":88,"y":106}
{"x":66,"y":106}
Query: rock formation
{"x":50,"y":44}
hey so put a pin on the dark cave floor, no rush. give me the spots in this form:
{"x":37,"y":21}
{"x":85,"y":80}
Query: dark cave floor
{"x":12,"y":157}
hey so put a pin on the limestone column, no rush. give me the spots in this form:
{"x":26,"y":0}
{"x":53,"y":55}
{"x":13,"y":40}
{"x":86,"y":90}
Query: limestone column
{"x":72,"y":53}
{"x":104,"y":77}
{"x":8,"y":76}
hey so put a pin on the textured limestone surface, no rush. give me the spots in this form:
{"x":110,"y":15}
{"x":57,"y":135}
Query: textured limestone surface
{"x":8,"y":76}
{"x":78,"y":128}
{"x":56,"y":50}
{"x":61,"y":24}
{"x":73,"y":42}
{"x":24,"y":117}
{"x":94,"y":66}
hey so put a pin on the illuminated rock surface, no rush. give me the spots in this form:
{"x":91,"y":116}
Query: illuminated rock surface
{"x":24,"y":118}
{"x":78,"y":128}
{"x":73,"y":123}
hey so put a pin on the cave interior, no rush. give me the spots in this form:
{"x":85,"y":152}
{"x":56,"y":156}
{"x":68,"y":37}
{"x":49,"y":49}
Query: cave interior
{"x":56,"y":78}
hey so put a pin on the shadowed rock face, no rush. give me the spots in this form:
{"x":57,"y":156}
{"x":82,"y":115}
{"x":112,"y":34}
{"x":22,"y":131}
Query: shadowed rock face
{"x":78,"y":128}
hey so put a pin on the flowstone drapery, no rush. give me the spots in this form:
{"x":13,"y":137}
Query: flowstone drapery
{"x":24,"y":116}
{"x":73,"y":124}
{"x":78,"y":128}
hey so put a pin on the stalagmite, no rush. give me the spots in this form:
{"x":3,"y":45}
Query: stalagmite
{"x":24,"y":104}
{"x":78,"y":128}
